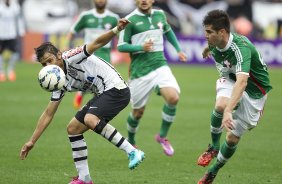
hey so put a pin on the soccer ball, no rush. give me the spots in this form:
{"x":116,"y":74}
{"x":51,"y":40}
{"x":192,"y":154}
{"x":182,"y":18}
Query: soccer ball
{"x":51,"y":78}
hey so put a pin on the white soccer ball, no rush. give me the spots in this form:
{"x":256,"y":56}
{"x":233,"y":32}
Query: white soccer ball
{"x":51,"y":78}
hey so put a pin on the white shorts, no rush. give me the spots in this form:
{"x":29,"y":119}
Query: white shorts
{"x":249,"y":111}
{"x":142,"y":87}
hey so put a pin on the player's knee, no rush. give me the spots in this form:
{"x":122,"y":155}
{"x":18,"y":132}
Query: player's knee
{"x":91,"y":121}
{"x":137,"y":114}
{"x":220,"y":107}
{"x":71,"y":129}
{"x":232,"y":139}
{"x":173,"y":99}
{"x":100,"y":126}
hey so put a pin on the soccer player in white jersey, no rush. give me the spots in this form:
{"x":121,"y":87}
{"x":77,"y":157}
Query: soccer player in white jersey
{"x":241,"y":90}
{"x":88,"y":73}
{"x":11,"y":27}
{"x":93,"y":23}
{"x":149,"y":70}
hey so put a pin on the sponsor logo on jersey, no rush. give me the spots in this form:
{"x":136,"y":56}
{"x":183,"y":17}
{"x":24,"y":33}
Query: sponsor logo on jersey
{"x":73,"y":52}
{"x":72,"y":72}
{"x":90,"y":20}
{"x":139,"y":23}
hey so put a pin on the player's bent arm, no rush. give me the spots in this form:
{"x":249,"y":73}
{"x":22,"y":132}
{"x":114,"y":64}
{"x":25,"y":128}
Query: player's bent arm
{"x":170,"y":35}
{"x":43,"y":122}
{"x":238,"y":89}
{"x":130,"y":48}
{"x":106,"y":37}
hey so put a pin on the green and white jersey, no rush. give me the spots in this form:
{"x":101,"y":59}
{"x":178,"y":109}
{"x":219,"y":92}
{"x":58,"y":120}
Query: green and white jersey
{"x":142,"y":28}
{"x":94,"y":24}
{"x":241,"y":56}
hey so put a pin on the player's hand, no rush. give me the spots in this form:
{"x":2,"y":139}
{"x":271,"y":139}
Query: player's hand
{"x":25,"y":149}
{"x":148,"y":46}
{"x":227,"y":121}
{"x":182,"y":56}
{"x":122,"y":23}
{"x":206,"y":53}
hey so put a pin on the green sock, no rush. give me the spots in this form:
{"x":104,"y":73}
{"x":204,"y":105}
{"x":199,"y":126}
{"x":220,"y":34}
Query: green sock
{"x":216,"y":131}
{"x":226,"y":152}
{"x":168,"y":116}
{"x":132,"y":125}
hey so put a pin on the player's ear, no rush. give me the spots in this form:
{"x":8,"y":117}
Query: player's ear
{"x":59,"y":55}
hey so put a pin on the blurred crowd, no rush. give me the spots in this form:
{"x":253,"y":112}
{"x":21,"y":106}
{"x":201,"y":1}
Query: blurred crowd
{"x":254,"y":18}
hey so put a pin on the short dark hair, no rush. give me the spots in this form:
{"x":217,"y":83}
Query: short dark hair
{"x":218,"y":19}
{"x":43,"y":48}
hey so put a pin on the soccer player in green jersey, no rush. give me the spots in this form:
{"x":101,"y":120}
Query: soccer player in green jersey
{"x":241,"y":90}
{"x":149,"y":71}
{"x":94,"y":22}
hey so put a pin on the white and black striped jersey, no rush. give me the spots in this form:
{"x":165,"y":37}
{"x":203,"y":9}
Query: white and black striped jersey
{"x":87,"y":73}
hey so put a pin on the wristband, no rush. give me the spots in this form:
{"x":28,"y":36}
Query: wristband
{"x":115,"y":30}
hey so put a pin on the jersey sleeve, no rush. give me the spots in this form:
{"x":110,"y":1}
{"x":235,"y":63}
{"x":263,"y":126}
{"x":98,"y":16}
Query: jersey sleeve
{"x":166,"y":26}
{"x":125,"y":35}
{"x":76,"y":55}
{"x":243,"y":57}
{"x":78,"y":24}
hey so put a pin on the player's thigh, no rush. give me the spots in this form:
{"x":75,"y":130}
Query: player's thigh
{"x":224,"y":87}
{"x":166,"y":79}
{"x":141,"y":89}
{"x":105,"y":106}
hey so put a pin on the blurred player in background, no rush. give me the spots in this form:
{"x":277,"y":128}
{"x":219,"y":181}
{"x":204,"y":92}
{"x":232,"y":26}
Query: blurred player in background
{"x":149,"y":71}
{"x":241,"y":90}
{"x":86,"y":72}
{"x":11,"y":28}
{"x":94,"y":22}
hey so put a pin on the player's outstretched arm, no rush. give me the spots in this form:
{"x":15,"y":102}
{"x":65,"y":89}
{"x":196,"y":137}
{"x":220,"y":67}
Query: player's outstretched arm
{"x":43,"y":122}
{"x":106,"y":37}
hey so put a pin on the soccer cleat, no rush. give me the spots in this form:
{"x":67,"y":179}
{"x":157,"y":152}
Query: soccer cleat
{"x":12,"y":76}
{"x":135,"y":158}
{"x":75,"y":180}
{"x":77,"y":100}
{"x":168,"y":149}
{"x":207,"y":178}
{"x":207,"y":156}
{"x":2,"y":77}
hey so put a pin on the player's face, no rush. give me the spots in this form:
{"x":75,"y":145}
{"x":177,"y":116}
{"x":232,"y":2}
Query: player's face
{"x":213,"y":37}
{"x":100,"y":4}
{"x":50,"y":59}
{"x":144,"y":6}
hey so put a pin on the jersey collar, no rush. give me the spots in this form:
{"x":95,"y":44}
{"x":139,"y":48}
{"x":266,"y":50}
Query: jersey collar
{"x":136,"y":11}
{"x":227,"y":45}
{"x":98,"y":15}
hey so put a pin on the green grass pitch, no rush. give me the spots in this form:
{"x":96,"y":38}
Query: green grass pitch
{"x":257,"y":160}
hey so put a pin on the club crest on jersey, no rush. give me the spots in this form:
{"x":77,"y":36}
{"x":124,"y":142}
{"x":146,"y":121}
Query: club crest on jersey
{"x":227,"y":64}
{"x":108,"y":26}
{"x":160,"y":25}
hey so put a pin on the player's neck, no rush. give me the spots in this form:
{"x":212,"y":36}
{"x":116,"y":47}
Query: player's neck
{"x":224,"y":41}
{"x":147,"y":11}
{"x":100,"y":11}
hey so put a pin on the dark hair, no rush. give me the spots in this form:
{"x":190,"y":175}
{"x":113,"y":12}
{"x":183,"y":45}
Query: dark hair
{"x":218,"y":19}
{"x":43,"y":48}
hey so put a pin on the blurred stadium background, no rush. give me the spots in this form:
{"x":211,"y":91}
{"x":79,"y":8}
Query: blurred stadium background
{"x":257,"y":160}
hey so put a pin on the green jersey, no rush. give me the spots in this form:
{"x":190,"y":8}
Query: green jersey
{"x":95,"y":24}
{"x":145,"y":27}
{"x":241,"y":56}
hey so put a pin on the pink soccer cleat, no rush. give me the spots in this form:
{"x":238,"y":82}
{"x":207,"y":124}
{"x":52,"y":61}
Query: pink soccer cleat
{"x":75,"y":180}
{"x":168,"y":149}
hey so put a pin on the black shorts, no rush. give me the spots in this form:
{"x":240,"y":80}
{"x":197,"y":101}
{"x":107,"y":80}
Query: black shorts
{"x":105,"y":106}
{"x":10,"y":45}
